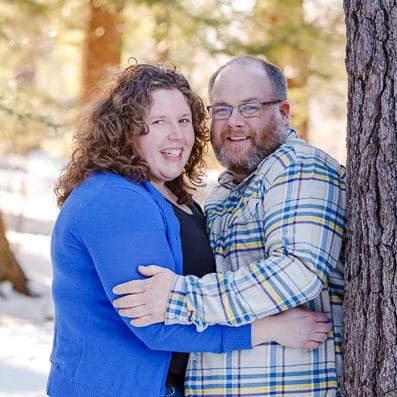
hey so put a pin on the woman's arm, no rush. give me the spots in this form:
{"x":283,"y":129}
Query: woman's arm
{"x":303,"y":239}
{"x":122,"y":228}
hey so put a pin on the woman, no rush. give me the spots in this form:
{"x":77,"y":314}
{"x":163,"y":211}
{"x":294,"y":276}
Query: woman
{"x":137,"y":149}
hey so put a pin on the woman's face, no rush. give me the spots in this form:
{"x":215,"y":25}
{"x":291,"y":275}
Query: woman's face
{"x":167,"y":146}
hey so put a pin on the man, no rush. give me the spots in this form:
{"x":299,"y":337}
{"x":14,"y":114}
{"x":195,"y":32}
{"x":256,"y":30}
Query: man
{"x":276,"y":224}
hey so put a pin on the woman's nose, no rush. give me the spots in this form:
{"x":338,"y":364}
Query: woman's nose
{"x":176,"y":132}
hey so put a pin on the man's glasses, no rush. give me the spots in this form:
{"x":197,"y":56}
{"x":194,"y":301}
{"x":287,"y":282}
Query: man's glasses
{"x":250,"y":109}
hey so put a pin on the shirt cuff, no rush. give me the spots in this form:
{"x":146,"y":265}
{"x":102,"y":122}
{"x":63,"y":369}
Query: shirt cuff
{"x":176,"y":312}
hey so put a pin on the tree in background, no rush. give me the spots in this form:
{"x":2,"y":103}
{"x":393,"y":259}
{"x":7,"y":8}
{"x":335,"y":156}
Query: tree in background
{"x":45,"y":73}
{"x":19,"y":82}
{"x":177,"y":31}
{"x":24,"y":43}
{"x":10,"y":270}
{"x":278,"y":31}
{"x":302,"y":37}
{"x":194,"y":35}
{"x":158,"y":31}
{"x":370,"y":326}
{"x":162,"y":12}
{"x":102,"y":43}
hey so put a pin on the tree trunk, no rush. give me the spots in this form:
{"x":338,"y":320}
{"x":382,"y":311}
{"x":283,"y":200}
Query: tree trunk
{"x":370,"y":324}
{"x":9,"y":267}
{"x":102,"y":44}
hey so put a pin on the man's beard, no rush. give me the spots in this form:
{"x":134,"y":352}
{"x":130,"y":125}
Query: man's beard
{"x":263,"y":144}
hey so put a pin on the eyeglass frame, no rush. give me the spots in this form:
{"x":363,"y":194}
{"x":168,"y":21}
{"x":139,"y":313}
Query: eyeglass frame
{"x":238,"y":107}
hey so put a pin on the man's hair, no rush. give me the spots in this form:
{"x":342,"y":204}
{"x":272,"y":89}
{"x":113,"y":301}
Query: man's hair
{"x":105,"y":140}
{"x":273,"y":73}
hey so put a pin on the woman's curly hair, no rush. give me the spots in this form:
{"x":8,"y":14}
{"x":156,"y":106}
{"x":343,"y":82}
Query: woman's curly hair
{"x":105,"y":140}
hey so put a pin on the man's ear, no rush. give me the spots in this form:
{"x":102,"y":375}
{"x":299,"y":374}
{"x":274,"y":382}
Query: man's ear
{"x":285,"y":112}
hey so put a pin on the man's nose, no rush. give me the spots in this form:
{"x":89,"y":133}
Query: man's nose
{"x":235,"y":119}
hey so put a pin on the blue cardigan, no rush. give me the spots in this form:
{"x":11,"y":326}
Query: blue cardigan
{"x":106,"y":228}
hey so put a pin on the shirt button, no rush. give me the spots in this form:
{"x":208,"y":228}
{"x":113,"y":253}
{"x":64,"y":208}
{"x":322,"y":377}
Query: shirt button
{"x":193,"y":356}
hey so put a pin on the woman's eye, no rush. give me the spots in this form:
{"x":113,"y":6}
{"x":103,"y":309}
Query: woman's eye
{"x":158,"y":122}
{"x":184,"y":121}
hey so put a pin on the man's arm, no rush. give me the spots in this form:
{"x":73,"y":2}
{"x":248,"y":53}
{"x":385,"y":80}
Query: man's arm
{"x":304,"y":221}
{"x":298,"y":327}
{"x":118,"y":238}
{"x":304,"y":227}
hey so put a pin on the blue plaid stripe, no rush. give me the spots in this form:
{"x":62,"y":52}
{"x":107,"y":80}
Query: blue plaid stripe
{"x":281,"y":232}
{"x":239,"y":377}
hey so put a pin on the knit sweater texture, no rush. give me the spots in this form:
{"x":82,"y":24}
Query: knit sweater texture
{"x":107,"y":227}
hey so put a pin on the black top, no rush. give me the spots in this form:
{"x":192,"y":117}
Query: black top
{"x":198,"y":260}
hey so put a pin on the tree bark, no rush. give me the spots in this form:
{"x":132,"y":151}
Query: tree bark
{"x":370,"y":324}
{"x":9,"y":267}
{"x":102,"y":44}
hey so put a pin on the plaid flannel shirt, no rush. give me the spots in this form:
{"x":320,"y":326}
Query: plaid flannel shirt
{"x":277,"y":239}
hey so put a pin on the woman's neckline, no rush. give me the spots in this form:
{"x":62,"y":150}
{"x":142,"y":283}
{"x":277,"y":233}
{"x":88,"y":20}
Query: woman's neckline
{"x":171,"y":198}
{"x":177,"y":206}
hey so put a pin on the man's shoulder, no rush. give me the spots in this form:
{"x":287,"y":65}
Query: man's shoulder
{"x":296,"y":152}
{"x":216,"y":197}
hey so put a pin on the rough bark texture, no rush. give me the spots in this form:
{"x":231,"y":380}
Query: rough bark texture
{"x":9,"y":267}
{"x":102,"y":45}
{"x":370,"y":326}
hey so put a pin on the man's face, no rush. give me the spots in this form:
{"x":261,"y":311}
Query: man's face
{"x":241,"y":143}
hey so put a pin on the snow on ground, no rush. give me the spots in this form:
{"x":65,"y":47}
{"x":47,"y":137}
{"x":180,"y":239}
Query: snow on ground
{"x":26,"y":323}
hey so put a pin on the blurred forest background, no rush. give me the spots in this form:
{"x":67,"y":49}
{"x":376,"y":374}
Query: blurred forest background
{"x":55,"y":53}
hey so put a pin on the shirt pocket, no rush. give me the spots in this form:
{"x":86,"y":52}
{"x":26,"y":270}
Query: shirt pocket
{"x":247,"y":213}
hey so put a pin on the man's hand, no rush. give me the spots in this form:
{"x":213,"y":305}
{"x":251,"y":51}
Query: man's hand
{"x":298,"y":327}
{"x":145,"y":300}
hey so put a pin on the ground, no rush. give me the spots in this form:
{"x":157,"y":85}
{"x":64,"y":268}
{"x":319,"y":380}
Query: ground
{"x":26,"y":323}
{"x":28,"y":206}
